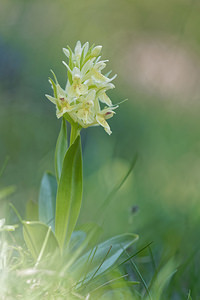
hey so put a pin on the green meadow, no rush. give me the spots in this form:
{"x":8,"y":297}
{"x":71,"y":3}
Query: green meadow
{"x":143,"y":179}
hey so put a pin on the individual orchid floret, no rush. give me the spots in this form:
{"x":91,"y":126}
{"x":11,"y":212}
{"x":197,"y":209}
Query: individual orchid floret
{"x":85,"y":92}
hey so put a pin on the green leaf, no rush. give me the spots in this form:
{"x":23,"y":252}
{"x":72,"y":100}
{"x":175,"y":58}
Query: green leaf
{"x":103,"y":256}
{"x":162,"y":279}
{"x":77,"y":239}
{"x":89,"y":52}
{"x":117,"y":294}
{"x":56,"y":81}
{"x":82,"y":233}
{"x":61,"y":149}
{"x":54,"y":87}
{"x":47,"y":199}
{"x":82,"y":57}
{"x":69,"y":196}
{"x":189,"y":296}
{"x":38,"y":236}
{"x":71,"y":65}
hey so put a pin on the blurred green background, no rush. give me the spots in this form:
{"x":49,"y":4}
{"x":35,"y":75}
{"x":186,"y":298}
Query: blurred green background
{"x":154,"y":47}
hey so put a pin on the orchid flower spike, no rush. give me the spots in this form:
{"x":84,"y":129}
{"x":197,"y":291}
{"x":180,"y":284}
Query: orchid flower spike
{"x":85,"y":93}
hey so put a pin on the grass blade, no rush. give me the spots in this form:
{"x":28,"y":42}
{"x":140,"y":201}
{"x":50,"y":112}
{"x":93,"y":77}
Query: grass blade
{"x":108,"y":199}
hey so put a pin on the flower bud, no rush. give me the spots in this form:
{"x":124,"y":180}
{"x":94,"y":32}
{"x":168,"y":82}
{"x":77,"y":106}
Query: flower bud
{"x":96,"y":51}
{"x":66,"y":52}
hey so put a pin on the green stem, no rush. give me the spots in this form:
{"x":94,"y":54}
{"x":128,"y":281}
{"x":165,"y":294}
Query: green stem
{"x":75,"y":130}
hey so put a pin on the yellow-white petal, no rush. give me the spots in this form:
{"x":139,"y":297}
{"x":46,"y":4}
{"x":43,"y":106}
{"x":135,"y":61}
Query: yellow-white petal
{"x":76,"y":73}
{"x":85,"y":48}
{"x":91,"y":95}
{"x":52,"y":99}
{"x":66,"y":52}
{"x":78,"y":49}
{"x":66,"y":65}
{"x":105,"y":99}
{"x":100,"y":119}
{"x":96,"y":51}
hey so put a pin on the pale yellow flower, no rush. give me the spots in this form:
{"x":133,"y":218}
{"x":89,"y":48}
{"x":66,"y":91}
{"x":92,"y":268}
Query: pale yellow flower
{"x":85,"y":89}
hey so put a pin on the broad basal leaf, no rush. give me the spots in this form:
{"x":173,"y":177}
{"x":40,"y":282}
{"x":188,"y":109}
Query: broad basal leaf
{"x":82,"y":233}
{"x":35,"y":235}
{"x":61,"y":149}
{"x":69,"y":196}
{"x":47,"y":200}
{"x":103,"y":256}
